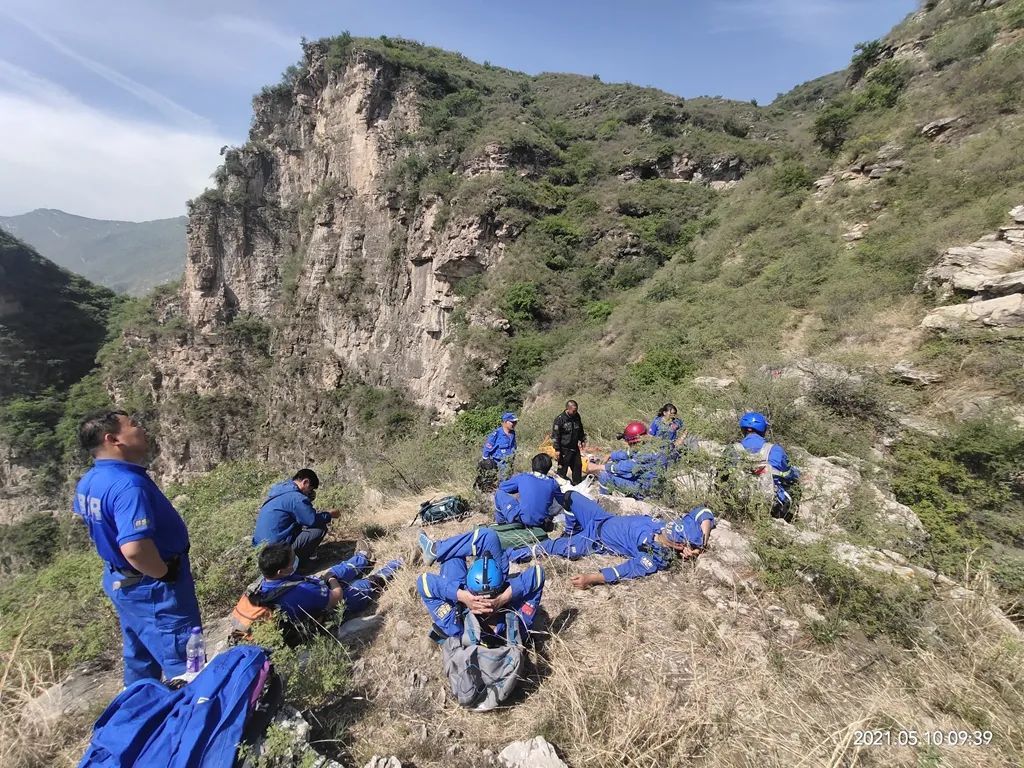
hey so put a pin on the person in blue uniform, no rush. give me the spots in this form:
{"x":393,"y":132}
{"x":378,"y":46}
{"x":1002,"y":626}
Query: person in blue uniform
{"x":667,"y":425}
{"x":637,"y":470}
{"x":143,"y":543}
{"x":459,"y":588}
{"x":304,"y":598}
{"x":650,"y":545}
{"x":528,"y":497}
{"x":500,"y":445}
{"x":288,"y":515}
{"x":768,"y":459}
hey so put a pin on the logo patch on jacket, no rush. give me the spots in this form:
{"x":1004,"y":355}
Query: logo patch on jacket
{"x":443,"y":610}
{"x":646,"y":562}
{"x":528,"y":609}
{"x":141,"y":522}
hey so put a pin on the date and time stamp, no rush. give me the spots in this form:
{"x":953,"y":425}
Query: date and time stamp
{"x":880,"y":737}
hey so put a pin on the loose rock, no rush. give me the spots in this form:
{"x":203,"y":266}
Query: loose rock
{"x":534,"y":753}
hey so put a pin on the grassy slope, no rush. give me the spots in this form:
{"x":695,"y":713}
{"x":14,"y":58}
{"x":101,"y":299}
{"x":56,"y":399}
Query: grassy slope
{"x":763,"y":277}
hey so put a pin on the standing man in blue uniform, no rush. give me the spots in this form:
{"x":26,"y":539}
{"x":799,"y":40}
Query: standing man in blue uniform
{"x":769,"y":463}
{"x":535,"y":492}
{"x":651,"y":545}
{"x":500,"y":446}
{"x":288,"y":515}
{"x":143,"y":543}
{"x":448,"y":596}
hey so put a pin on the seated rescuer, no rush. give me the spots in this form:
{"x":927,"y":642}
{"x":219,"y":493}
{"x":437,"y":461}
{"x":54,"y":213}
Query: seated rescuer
{"x":651,"y":545}
{"x":304,"y":598}
{"x":535,"y":491}
{"x":635,"y":471}
{"x":143,"y":543}
{"x":288,"y":515}
{"x":485,"y":589}
{"x":768,"y":461}
{"x":666,"y":424}
{"x":499,"y":449}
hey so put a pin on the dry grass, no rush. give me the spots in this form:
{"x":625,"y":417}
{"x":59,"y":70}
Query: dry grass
{"x":674,"y":670}
{"x":26,"y":740}
{"x":671,"y":672}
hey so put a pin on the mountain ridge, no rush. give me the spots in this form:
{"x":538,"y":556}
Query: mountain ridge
{"x":126,"y":256}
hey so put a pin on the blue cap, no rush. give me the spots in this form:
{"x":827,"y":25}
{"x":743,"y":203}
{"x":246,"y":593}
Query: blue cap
{"x":509,"y":416}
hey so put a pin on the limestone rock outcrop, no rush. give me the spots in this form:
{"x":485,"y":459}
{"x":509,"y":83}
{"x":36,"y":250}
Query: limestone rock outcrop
{"x":990,"y":272}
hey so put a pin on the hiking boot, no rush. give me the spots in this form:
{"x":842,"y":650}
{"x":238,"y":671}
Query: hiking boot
{"x":363,"y":545}
{"x":427,"y":547}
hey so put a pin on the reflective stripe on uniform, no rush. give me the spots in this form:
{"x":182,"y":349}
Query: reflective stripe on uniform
{"x":424,"y":587}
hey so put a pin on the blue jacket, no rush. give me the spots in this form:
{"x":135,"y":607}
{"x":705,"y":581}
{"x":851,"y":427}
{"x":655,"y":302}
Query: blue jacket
{"x":196,"y":726}
{"x":634,"y":473}
{"x":536,"y":492}
{"x":630,"y":536}
{"x":499,"y":446}
{"x":285,"y":512}
{"x":120,"y":503}
{"x":666,"y":429}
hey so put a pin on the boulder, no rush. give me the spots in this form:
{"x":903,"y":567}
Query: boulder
{"x":533,"y":753}
{"x":384,"y":762}
{"x":1017,"y":214}
{"x":712,"y":383}
{"x":83,"y":693}
{"x":905,"y":372}
{"x":974,"y":268}
{"x":1005,"y":313}
{"x":938,"y":127}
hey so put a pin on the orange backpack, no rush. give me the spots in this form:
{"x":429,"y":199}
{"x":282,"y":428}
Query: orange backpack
{"x":254,"y":606}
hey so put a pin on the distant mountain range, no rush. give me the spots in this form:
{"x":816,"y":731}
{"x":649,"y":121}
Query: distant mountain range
{"x":126,"y":256}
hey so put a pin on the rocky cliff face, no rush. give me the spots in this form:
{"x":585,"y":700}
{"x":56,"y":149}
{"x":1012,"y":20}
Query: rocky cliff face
{"x":308,"y":230}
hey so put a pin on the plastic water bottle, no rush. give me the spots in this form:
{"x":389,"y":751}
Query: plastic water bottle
{"x":195,"y":651}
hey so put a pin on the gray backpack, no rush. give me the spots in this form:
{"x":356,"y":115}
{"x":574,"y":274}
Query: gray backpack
{"x":757,"y":467}
{"x":482,"y":678}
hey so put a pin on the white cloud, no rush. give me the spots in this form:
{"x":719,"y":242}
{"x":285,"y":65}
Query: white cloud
{"x":56,"y":152}
{"x":165,"y":106}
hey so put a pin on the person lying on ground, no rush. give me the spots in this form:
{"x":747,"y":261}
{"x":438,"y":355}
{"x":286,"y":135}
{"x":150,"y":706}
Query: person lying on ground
{"x":651,"y":545}
{"x":527,"y":497}
{"x":485,"y":590}
{"x":288,"y":516}
{"x":768,"y":462}
{"x":312,"y":598}
{"x":635,"y":471}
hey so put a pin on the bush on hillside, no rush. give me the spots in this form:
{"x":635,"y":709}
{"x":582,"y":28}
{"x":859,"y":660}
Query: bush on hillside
{"x":971,"y":37}
{"x":865,"y":56}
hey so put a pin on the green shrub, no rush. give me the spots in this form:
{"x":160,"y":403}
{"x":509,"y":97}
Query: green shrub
{"x":971,"y":37}
{"x":832,"y":125}
{"x":1015,"y":16}
{"x":865,"y":56}
{"x":521,"y":302}
{"x":316,"y":673}
{"x":660,"y":366}
{"x":29,"y":543}
{"x":879,"y":605}
{"x":477,"y":423}
{"x":791,"y":176}
{"x":249,"y":331}
{"x":963,"y":487}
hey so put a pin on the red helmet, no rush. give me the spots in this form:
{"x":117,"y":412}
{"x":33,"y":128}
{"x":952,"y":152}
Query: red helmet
{"x":634,"y":431}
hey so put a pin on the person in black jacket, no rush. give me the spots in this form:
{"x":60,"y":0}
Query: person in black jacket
{"x":568,"y":438}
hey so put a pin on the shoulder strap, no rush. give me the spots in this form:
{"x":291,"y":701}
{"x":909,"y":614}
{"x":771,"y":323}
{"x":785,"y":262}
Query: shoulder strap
{"x":262,"y":599}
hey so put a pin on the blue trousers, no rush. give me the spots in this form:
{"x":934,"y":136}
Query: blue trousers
{"x":358,"y":592}
{"x":156,"y":620}
{"x":438,"y":591}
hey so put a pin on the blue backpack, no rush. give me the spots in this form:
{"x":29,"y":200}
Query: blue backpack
{"x":199,"y":725}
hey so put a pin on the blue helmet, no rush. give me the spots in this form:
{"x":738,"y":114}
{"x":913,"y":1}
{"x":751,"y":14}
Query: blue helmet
{"x":485,"y":578}
{"x":755,"y":421}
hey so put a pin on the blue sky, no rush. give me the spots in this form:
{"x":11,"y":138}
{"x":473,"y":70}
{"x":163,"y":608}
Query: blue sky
{"x":118,"y":108}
